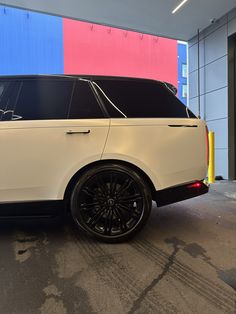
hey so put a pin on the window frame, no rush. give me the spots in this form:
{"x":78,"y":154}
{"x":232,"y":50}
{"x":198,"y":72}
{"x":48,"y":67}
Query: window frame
{"x":123,"y":116}
{"x":96,"y":96}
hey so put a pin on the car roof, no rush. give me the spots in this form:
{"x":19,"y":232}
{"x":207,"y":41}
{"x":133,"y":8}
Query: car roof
{"x":88,"y":77}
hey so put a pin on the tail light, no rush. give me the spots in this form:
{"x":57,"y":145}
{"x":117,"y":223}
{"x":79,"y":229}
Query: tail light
{"x":207,"y":146}
{"x":195,"y":185}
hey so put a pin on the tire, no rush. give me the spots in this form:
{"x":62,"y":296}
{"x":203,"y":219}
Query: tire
{"x":111,"y":202}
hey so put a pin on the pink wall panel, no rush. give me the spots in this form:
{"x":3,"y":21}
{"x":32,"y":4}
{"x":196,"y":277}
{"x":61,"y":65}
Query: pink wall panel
{"x":101,"y":50}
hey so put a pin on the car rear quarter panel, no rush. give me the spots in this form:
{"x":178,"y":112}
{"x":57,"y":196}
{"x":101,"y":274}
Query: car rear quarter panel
{"x":170,"y":151}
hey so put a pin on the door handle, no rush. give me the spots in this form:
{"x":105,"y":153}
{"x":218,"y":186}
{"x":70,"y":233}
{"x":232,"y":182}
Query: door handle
{"x":70,"y":132}
{"x":182,"y":126}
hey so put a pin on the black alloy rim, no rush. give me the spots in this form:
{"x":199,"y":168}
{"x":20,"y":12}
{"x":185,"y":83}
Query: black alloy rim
{"x":110,"y":203}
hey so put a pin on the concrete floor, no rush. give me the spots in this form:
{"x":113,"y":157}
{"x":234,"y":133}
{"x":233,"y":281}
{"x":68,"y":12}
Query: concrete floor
{"x":184,"y":261}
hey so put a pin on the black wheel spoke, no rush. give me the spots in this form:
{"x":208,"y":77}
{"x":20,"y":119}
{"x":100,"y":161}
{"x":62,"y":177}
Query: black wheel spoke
{"x":95,"y":219}
{"x":102,"y":186}
{"x":121,"y":219}
{"x":113,"y":184}
{"x":130,"y":198}
{"x":108,"y":222}
{"x":89,"y":206}
{"x":89,"y":192}
{"x":125,"y":208}
{"x":124,"y":187}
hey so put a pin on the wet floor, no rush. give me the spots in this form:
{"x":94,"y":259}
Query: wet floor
{"x":184,"y":261}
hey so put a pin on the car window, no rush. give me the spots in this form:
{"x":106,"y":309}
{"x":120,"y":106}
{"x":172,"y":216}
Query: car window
{"x":141,"y":99}
{"x":9,"y":92}
{"x":84,"y":104}
{"x":42,"y":99}
{"x":2,"y":87}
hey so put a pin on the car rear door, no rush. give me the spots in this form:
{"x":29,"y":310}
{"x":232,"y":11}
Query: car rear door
{"x":49,"y":129}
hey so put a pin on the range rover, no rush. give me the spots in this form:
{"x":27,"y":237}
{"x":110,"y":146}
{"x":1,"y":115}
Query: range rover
{"x":104,"y":147}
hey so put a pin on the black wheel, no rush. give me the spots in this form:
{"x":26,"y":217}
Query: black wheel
{"x":111,"y":202}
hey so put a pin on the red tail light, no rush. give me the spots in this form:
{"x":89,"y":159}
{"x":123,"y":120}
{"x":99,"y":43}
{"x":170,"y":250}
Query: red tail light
{"x":207,"y":146}
{"x":195,"y":185}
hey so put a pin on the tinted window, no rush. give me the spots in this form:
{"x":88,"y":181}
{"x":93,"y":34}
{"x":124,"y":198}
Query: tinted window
{"x":41,"y":99}
{"x":2,"y":85}
{"x":9,"y":92}
{"x":137,"y":99}
{"x":84,"y":103}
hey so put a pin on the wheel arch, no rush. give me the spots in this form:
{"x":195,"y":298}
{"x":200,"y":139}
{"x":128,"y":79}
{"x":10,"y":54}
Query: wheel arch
{"x":77,"y":175}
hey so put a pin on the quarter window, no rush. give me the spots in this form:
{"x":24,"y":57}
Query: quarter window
{"x":141,"y":99}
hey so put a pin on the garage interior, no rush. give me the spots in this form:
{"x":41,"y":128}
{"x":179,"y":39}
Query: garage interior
{"x":184,"y":261}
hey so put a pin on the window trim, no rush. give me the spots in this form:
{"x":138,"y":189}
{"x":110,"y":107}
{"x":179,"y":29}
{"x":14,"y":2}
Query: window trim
{"x":99,"y":100}
{"x":96,"y":86}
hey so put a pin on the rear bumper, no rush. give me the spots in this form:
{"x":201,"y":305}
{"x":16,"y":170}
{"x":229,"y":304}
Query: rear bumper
{"x":180,"y":193}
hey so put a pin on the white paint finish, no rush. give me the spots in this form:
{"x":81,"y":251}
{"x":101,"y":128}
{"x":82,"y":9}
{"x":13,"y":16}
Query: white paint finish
{"x":216,"y":45}
{"x":170,"y":156}
{"x":38,"y":158}
{"x":220,"y":127}
{"x":232,"y":27}
{"x":152,"y":17}
{"x":217,"y":104}
{"x":216,"y":75}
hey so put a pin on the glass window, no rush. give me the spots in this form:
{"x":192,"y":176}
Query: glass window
{"x":84,"y":103}
{"x":9,"y":92}
{"x":184,"y":70}
{"x":2,"y":84}
{"x":184,"y":91}
{"x":141,"y":99}
{"x":43,"y":99}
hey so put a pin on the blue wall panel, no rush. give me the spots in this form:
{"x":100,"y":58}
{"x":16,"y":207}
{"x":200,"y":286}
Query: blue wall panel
{"x":182,"y":60}
{"x":30,"y":43}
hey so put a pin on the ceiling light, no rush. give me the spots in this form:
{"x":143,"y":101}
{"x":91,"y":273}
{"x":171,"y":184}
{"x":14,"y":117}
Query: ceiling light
{"x":179,"y":6}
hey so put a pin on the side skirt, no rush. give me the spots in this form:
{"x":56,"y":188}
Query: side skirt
{"x":32,"y":209}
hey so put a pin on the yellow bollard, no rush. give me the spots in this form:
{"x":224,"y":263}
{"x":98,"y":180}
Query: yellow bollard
{"x":211,"y":167}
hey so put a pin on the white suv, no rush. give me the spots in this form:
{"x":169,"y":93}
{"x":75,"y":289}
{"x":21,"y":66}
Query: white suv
{"x":104,"y":146}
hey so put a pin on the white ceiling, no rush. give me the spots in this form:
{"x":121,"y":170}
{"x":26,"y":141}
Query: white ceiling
{"x":147,"y":16}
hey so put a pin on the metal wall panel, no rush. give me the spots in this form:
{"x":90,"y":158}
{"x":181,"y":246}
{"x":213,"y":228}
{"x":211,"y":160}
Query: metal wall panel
{"x":193,"y":83}
{"x":216,"y":45}
{"x":193,"y":105}
{"x":217,"y":104}
{"x":214,"y":82}
{"x":232,"y":27}
{"x":221,"y":161}
{"x":216,"y":75}
{"x":30,"y":43}
{"x":193,"y":52}
{"x":220,"y":127}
